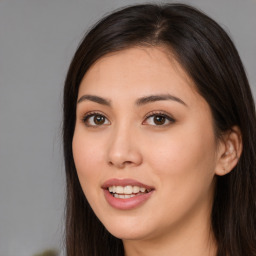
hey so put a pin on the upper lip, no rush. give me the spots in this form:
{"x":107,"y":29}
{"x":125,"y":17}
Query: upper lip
{"x":124,"y":182}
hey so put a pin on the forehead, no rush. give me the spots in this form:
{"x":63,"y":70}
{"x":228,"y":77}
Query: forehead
{"x":138,"y":60}
{"x":138,"y":71}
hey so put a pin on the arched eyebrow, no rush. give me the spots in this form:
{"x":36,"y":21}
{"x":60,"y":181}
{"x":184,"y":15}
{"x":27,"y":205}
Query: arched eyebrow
{"x":138,"y":102}
{"x":158,"y":97}
{"x":96,"y":99}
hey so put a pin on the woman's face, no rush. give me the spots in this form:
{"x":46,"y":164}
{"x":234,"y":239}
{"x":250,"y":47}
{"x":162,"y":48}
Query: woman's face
{"x":143,"y":132}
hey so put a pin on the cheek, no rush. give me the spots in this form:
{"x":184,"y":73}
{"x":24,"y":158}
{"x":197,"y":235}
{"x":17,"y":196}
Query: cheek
{"x":186,"y":160}
{"x":87,"y":157}
{"x":184,"y":169}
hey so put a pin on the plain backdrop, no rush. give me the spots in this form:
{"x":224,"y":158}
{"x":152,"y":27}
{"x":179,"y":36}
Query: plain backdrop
{"x":37,"y":41}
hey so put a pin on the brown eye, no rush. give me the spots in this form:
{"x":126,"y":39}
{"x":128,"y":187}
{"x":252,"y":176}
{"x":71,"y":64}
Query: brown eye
{"x":99,"y":120}
{"x":95,"y":120}
{"x":159,"y":120}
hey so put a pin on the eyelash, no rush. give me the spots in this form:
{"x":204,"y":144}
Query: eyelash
{"x":92,"y":114}
{"x":149,"y":115}
{"x":170,"y":119}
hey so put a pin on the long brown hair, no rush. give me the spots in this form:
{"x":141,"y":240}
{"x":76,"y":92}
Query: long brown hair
{"x":210,"y":58}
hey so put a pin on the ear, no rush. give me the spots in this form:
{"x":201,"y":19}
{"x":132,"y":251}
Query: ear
{"x":229,"y":151}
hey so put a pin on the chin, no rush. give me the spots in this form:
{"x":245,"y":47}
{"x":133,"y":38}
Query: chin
{"x":128,"y":232}
{"x":128,"y":236}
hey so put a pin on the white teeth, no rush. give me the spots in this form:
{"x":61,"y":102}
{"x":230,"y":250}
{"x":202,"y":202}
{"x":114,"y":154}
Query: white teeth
{"x":142,"y":190}
{"x":123,"y":196}
{"x":119,"y":190}
{"x":136,"y":189}
{"x":127,"y":191}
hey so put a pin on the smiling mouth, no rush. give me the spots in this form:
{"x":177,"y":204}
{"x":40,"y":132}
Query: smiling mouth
{"x":125,"y":192}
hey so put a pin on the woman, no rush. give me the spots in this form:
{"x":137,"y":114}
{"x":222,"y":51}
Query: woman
{"x":159,"y":138}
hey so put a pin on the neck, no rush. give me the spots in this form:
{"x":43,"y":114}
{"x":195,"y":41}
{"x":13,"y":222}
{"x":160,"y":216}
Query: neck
{"x":194,"y":239}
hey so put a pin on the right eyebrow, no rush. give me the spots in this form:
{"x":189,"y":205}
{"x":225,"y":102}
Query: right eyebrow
{"x":158,"y":97}
{"x":94,"y":98}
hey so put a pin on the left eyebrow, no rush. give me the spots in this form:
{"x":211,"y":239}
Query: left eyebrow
{"x":96,"y":99}
{"x":159,"y":97}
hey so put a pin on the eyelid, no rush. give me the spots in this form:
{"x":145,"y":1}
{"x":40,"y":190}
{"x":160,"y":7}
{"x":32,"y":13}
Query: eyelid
{"x":160,"y":113}
{"x":89,"y":114}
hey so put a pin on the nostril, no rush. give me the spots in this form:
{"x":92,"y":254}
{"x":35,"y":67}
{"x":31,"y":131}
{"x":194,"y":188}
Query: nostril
{"x":120,"y":164}
{"x":123,"y":156}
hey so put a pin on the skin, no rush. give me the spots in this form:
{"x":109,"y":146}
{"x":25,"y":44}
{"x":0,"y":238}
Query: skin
{"x":179,"y":158}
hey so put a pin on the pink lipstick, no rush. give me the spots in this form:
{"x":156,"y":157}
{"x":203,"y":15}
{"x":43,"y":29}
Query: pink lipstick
{"x":125,"y":194}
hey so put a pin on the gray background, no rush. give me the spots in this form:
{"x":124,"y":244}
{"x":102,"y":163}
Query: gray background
{"x":37,"y":41}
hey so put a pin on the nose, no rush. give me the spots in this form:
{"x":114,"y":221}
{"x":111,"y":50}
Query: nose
{"x":124,"y":149}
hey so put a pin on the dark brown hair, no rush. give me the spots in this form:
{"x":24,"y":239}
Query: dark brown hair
{"x":210,"y":58}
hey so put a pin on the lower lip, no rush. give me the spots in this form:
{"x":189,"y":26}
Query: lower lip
{"x":126,"y":203}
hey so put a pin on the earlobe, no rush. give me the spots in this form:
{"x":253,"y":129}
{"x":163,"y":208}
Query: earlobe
{"x":229,"y":151}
